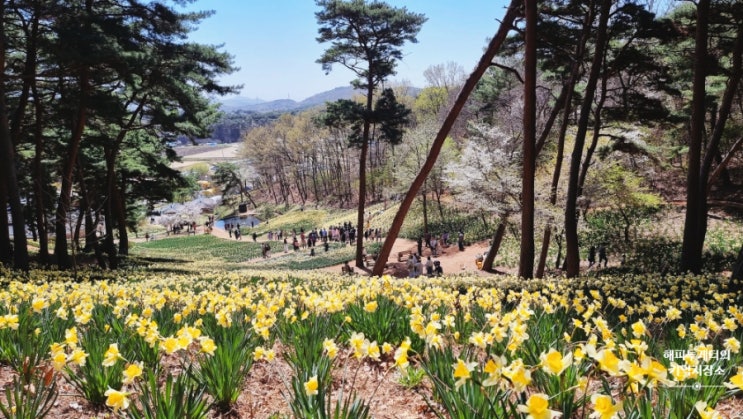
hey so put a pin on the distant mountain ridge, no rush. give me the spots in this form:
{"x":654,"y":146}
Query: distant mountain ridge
{"x":241,"y":114}
{"x":239,"y":102}
{"x":287,"y":105}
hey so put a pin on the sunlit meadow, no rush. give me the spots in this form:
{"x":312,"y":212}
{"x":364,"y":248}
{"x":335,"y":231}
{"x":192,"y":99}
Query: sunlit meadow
{"x":167,"y":345}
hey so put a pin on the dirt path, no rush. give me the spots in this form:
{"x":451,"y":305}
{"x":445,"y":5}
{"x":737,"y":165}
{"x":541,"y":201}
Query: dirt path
{"x":452,"y":259}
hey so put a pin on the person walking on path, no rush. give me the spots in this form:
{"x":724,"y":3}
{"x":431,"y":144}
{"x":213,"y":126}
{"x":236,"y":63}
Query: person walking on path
{"x":460,"y":241}
{"x":602,"y":255}
{"x":591,"y":256}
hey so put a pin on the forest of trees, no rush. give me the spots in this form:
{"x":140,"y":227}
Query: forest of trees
{"x":575,"y":108}
{"x":613,"y":100}
{"x":231,"y":126}
{"x":92,"y":91}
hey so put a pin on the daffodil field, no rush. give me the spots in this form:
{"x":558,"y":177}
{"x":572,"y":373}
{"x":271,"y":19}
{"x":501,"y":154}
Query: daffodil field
{"x":146,"y":345}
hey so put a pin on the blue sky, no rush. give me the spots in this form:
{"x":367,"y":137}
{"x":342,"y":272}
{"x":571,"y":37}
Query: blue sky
{"x":273,"y":42}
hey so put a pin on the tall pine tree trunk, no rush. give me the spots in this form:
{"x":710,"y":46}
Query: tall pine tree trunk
{"x":572,"y":257}
{"x":695,"y":227}
{"x":7,"y":156}
{"x":526,"y":258}
{"x":120,"y":208}
{"x":362,"y":185}
{"x":110,"y":207}
{"x":595,"y":137}
{"x":6,"y":252}
{"x":487,"y":264}
{"x":38,"y":170}
{"x":737,"y":275}
{"x":691,"y":250}
{"x":68,"y":168}
{"x":544,"y":251}
{"x":565,"y":101}
{"x":424,"y":200}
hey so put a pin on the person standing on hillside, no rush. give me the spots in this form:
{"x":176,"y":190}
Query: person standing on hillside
{"x":411,"y":266}
{"x":429,"y":267}
{"x":437,"y":269}
{"x":460,"y":240}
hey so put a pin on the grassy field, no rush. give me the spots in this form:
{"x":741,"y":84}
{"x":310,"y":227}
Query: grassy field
{"x":194,"y":252}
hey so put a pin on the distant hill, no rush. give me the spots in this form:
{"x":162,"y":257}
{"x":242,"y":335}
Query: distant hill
{"x":235,"y":103}
{"x":281,"y":105}
{"x":345,"y":92}
{"x":288,"y":105}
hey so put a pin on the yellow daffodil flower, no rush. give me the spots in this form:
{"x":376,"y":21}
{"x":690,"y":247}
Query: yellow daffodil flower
{"x":170,"y":345}
{"x":706,"y":412}
{"x":736,"y":381}
{"x":463,"y":371}
{"x":59,"y":360}
{"x":537,"y":407}
{"x":311,"y":387}
{"x":370,"y":307}
{"x":608,"y":362}
{"x":604,"y":407}
{"x":517,"y":373}
{"x":116,"y":399}
{"x":554,"y":363}
{"x":330,"y":348}
{"x":638,"y":329}
{"x":207,"y":345}
{"x":70,"y":336}
{"x":78,"y":357}
{"x":732,"y":344}
{"x":132,"y":372}
{"x":112,"y":355}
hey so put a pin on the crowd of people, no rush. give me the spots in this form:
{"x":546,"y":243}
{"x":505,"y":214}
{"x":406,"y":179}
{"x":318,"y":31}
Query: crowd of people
{"x":434,"y":243}
{"x":602,"y":255}
{"x":416,"y":265}
{"x":345,"y":233}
